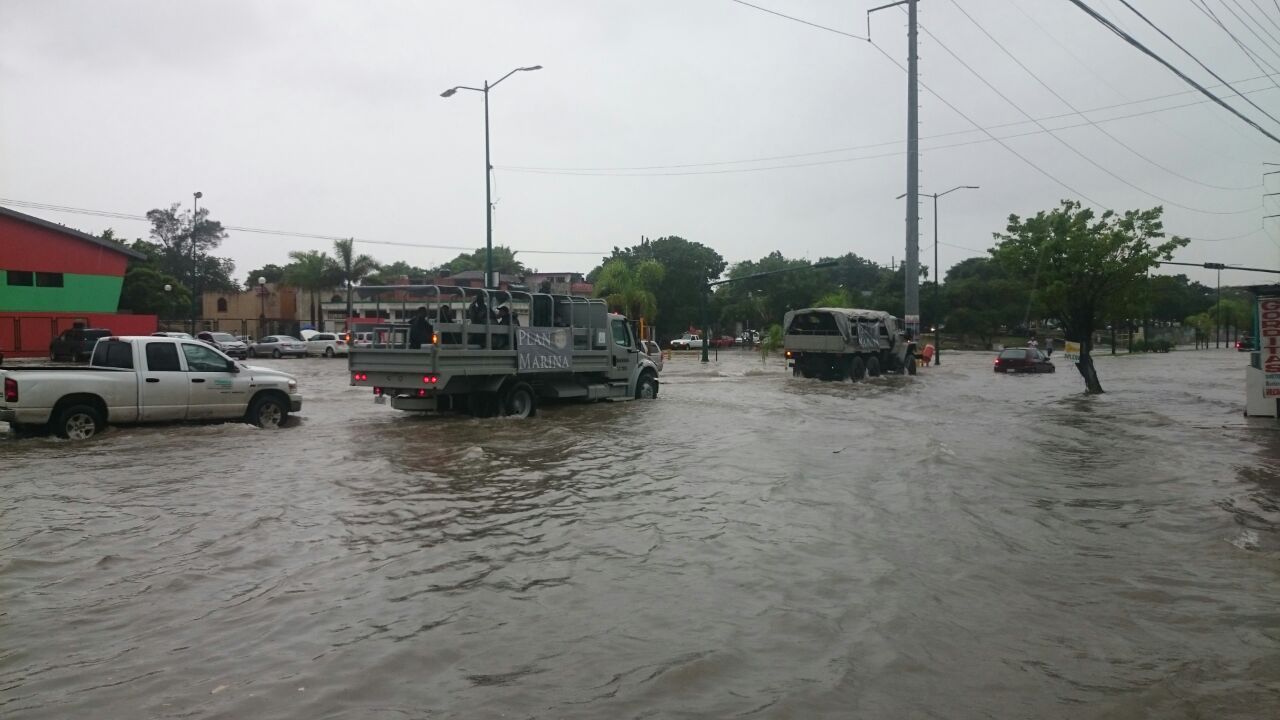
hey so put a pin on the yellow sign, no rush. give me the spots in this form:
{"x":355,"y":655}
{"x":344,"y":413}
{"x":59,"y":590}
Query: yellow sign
{"x":1071,"y":351}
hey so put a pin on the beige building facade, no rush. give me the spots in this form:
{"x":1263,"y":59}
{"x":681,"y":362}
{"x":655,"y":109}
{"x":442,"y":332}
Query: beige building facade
{"x":266,"y":310}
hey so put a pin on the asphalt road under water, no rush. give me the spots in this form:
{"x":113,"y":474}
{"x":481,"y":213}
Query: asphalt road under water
{"x":954,"y":545}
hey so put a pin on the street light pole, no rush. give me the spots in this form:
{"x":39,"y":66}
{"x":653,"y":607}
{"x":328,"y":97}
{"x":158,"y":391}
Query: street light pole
{"x":195,"y":219}
{"x":937,"y":302}
{"x":489,"y":281}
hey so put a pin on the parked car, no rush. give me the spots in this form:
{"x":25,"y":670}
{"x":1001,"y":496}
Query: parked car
{"x":226,"y":342}
{"x":654,"y":352}
{"x":327,"y":344}
{"x":688,"y":341}
{"x":1023,"y":360}
{"x":175,"y":335}
{"x":278,"y":346}
{"x":145,"y":379}
{"x":750,"y":337}
{"x":724,"y":341}
{"x":1244,"y":344}
{"x":76,"y":344}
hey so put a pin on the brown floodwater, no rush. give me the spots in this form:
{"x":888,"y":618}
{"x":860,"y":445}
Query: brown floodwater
{"x":955,"y":545}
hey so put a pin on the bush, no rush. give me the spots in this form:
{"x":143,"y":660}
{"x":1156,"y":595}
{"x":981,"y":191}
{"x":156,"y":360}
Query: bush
{"x":1140,"y":346}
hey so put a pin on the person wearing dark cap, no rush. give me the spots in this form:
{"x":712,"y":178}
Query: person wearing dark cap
{"x":420,"y":329}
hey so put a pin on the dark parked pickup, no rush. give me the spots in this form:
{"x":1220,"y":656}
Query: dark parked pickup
{"x":76,"y":343}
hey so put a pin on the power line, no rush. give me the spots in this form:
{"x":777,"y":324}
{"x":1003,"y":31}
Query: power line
{"x":1147,"y":51}
{"x":31,"y":205}
{"x":1072,"y":107}
{"x":1254,"y":20}
{"x":1068,"y":145}
{"x":799,"y":20}
{"x":1254,"y":57}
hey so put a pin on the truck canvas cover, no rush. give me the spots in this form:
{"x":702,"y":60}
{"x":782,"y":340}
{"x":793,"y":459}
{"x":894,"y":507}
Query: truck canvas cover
{"x":856,"y":326}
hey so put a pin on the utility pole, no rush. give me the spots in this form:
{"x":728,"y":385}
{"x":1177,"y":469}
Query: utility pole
{"x":913,"y":178}
{"x":911,"y":272}
{"x":1217,"y":315}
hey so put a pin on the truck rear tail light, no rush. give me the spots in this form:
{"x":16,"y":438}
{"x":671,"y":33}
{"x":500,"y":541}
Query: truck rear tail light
{"x":359,"y":376}
{"x":429,"y":379}
{"x":377,"y":391}
{"x":422,"y":393}
{"x":10,"y":390}
{"x":788,"y":353}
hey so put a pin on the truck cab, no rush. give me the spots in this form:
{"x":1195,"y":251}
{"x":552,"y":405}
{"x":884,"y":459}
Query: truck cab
{"x":498,"y":352}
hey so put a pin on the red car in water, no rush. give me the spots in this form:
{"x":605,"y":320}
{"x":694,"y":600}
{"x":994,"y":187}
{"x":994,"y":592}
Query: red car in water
{"x":1022,"y":360}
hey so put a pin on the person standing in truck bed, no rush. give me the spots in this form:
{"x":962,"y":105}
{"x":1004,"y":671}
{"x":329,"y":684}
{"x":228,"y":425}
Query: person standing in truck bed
{"x":419,"y":329}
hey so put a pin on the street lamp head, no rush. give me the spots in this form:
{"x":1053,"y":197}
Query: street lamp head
{"x":529,"y":69}
{"x":450,"y":92}
{"x":197,"y":195}
{"x":262,"y":280}
{"x":168,"y":287}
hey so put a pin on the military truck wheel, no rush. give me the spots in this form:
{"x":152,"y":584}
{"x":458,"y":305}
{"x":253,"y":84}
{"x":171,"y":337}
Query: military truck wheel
{"x":873,"y":366}
{"x":857,"y":368}
{"x":520,"y":402}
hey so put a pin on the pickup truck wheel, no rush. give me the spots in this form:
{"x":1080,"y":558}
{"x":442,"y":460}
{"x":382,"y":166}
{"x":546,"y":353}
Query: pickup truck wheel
{"x":520,"y":402}
{"x":268,"y":411}
{"x":78,"y":422}
{"x":647,"y":387}
{"x":873,"y":366}
{"x":857,"y":368}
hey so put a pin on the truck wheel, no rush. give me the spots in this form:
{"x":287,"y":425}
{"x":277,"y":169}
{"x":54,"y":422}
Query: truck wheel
{"x":520,"y":402}
{"x":911,"y":365}
{"x":873,"y":366}
{"x":268,"y":411}
{"x":78,"y":422}
{"x":857,"y":368}
{"x":647,"y":387}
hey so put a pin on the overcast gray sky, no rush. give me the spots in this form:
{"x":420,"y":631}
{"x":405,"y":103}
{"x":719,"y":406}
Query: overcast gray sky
{"x":326,"y":118}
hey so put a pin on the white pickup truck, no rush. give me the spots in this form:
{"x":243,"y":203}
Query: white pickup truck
{"x":688,"y":341}
{"x":143,"y":380}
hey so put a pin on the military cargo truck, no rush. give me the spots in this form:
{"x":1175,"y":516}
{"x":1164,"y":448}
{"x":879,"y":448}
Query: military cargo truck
{"x":846,"y":343}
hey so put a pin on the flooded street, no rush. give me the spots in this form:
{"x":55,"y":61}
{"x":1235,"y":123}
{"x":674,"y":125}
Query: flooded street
{"x":955,"y":545}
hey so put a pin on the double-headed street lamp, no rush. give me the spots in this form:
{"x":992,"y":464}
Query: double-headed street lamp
{"x":489,"y":280}
{"x":937,"y":303}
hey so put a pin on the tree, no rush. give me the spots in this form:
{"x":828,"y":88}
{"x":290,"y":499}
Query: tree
{"x":504,"y":261}
{"x":390,"y":274}
{"x":688,"y":266}
{"x":355,"y":268}
{"x":984,"y":299}
{"x":183,"y":245}
{"x":272,"y":272}
{"x":312,"y":271}
{"x":630,"y":290}
{"x":1082,"y":265}
{"x":143,"y":293}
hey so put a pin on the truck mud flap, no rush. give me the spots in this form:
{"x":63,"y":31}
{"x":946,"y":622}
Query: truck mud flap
{"x":414,"y":404}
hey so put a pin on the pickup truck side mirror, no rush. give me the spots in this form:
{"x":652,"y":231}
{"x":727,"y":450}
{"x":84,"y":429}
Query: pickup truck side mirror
{"x":232,"y":367}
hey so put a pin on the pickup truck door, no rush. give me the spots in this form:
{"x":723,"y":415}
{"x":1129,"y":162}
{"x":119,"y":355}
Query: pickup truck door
{"x":162,"y":384}
{"x":622,"y":351}
{"x":215,"y":391}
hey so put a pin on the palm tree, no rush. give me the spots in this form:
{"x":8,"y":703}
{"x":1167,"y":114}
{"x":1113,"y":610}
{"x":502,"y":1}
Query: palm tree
{"x":355,"y":268}
{"x":312,"y":271}
{"x":629,"y":290}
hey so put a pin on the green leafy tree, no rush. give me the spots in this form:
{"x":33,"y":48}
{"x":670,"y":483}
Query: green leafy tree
{"x":984,"y":299}
{"x":355,"y":268}
{"x":143,"y":293}
{"x":312,"y":271}
{"x":272,"y":272}
{"x":1082,"y":265}
{"x":688,"y":267}
{"x":391,"y":273}
{"x":504,"y":261}
{"x":184,"y":243}
{"x":629,"y":290}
